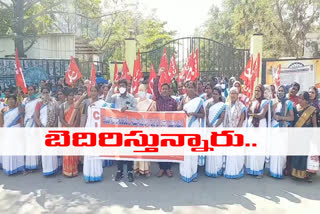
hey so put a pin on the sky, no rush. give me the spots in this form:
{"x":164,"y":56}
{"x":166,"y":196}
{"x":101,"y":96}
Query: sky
{"x":184,"y":16}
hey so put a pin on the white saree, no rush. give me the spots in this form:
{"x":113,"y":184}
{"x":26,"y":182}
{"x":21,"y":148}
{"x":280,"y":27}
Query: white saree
{"x":255,"y":164}
{"x":32,"y":162}
{"x":188,"y":169}
{"x":92,"y":168}
{"x":49,"y":163}
{"x":234,"y":165}
{"x":214,"y":163}
{"x":12,"y":164}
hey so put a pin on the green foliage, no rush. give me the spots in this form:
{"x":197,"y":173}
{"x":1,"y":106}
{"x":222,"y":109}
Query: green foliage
{"x":5,"y":17}
{"x":284,"y":24}
{"x":153,"y":34}
{"x":149,"y":32}
{"x":40,"y":24}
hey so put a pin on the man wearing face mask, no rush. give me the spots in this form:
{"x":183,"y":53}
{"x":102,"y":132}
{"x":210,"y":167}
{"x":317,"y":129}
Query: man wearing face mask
{"x":123,"y":101}
{"x":164,"y":103}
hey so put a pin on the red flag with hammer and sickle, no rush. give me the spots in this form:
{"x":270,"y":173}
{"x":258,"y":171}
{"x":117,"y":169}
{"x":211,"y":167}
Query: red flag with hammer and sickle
{"x":73,"y":73}
{"x":173,"y":69}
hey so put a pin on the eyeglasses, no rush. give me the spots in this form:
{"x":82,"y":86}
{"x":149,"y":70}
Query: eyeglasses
{"x":45,"y":92}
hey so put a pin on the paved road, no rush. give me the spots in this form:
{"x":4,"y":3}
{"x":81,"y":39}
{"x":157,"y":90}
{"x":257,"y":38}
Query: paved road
{"x":34,"y":193}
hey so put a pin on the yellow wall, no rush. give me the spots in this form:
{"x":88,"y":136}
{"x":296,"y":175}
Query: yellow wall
{"x":111,"y":66}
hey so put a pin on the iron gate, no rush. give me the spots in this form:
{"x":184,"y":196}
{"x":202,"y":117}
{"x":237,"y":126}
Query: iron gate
{"x":215,"y":59}
{"x":36,"y":70}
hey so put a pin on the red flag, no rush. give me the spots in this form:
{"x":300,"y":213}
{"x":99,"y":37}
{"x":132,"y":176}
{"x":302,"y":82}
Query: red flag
{"x":246,"y":90}
{"x":164,"y":61}
{"x":276,"y":76}
{"x":92,"y":78}
{"x":164,"y":78}
{"x":73,"y":73}
{"x":152,"y":76}
{"x":183,"y":73}
{"x":196,"y":65}
{"x":19,"y":75}
{"x":125,"y":72}
{"x":173,"y":69}
{"x":137,"y":75}
{"x":116,"y":77}
{"x":255,"y":74}
{"x":246,"y":76}
{"x":190,"y":69}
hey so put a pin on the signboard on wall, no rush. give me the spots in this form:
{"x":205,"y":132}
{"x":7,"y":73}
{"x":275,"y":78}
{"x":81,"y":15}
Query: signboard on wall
{"x":305,"y":71}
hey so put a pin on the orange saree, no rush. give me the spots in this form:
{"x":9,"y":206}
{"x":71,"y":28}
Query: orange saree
{"x":70,"y":163}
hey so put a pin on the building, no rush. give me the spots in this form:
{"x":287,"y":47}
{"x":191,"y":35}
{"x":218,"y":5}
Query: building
{"x":49,"y":46}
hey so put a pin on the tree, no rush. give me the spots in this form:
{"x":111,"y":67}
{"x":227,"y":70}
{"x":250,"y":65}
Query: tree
{"x":218,"y":26}
{"x":103,"y":23}
{"x":284,"y":24}
{"x":25,"y":19}
{"x":149,"y":32}
{"x":294,"y":19}
{"x":24,"y":14}
{"x":153,"y":34}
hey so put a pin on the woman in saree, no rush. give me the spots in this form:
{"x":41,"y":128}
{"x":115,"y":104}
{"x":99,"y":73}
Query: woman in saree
{"x":207,"y":99}
{"x":313,"y":165}
{"x":243,"y":98}
{"x":11,"y":117}
{"x":208,"y":93}
{"x":234,"y":117}
{"x":314,"y":101}
{"x":268,"y":95}
{"x":105,"y":90}
{"x":61,"y":98}
{"x":144,"y":104}
{"x":29,"y":104}
{"x":282,"y":110}
{"x":257,"y":113}
{"x":193,"y":106}
{"x":46,"y":115}
{"x":215,"y":112}
{"x":305,"y":117}
{"x":92,"y":167}
{"x":70,"y":117}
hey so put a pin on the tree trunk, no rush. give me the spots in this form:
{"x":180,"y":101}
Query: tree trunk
{"x":19,"y":27}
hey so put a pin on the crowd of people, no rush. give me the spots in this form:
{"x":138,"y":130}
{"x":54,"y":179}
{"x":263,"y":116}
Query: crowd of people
{"x":210,"y":103}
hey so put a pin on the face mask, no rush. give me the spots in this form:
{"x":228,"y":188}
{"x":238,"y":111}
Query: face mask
{"x":223,"y":86}
{"x":122,"y":90}
{"x":142,"y":94}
